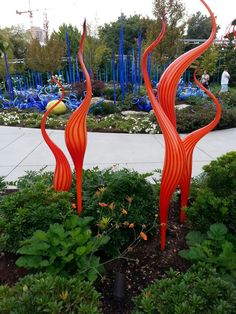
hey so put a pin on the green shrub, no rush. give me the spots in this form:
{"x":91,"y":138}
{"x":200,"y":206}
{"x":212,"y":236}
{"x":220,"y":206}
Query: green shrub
{"x":109,"y":93}
{"x":2,"y":183}
{"x":64,"y":249}
{"x":103,"y":108}
{"x":117,"y":200}
{"x":214,"y":248}
{"x":199,"y":290}
{"x":221,"y":174}
{"x":32,"y":177}
{"x":215,"y":200}
{"x":28,"y":210}
{"x":44,"y":293}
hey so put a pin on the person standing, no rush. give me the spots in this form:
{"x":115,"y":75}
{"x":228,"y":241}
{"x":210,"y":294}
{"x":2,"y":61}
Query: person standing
{"x":225,"y":81}
{"x":205,"y":79}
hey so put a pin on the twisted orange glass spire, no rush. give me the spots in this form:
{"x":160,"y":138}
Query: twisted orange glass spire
{"x":174,"y":150}
{"x":62,"y":175}
{"x":167,"y":91}
{"x":190,"y":142}
{"x":178,"y":155}
{"x":169,"y":80}
{"x":76,"y":132}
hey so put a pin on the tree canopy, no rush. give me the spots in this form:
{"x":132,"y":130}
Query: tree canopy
{"x":174,"y":12}
{"x":199,"y":26}
{"x":133,"y":25}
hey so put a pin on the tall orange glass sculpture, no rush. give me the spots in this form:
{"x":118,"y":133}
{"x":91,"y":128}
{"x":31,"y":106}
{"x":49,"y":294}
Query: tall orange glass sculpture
{"x":76,"y":132}
{"x":167,"y":91}
{"x":174,"y":150}
{"x":62,"y":175}
{"x":178,"y":153}
{"x":190,"y":142}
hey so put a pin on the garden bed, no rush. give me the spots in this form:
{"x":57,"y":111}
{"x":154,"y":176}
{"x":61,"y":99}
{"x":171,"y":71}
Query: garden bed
{"x":117,"y":235}
{"x":141,"y":267}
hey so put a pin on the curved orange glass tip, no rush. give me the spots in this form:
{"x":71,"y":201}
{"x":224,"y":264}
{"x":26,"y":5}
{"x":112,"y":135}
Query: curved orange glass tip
{"x":84,"y":25}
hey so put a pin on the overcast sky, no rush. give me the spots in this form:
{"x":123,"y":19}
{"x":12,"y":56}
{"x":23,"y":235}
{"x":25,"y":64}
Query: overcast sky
{"x":99,"y":12}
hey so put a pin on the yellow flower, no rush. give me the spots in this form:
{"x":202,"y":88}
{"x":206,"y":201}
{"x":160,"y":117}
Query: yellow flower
{"x":124,"y":211}
{"x":112,"y":206}
{"x":143,"y":236}
{"x":64,"y":295}
{"x":102,"y":189}
{"x":104,"y":223}
{"x":125,"y":223}
{"x":25,"y":288}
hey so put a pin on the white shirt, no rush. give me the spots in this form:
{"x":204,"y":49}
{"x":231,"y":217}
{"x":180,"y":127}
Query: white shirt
{"x":225,"y":77}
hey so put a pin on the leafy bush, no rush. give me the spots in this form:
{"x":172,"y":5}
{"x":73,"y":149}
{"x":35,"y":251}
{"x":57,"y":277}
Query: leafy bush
{"x":2,"y":183}
{"x":32,"y":177}
{"x":117,"y":201}
{"x":215,"y":199}
{"x":197,"y":116}
{"x":103,"y":108}
{"x":64,"y":249}
{"x":44,"y":293}
{"x":28,"y":210}
{"x":97,"y":88}
{"x":199,"y":290}
{"x":109,"y":92}
{"x":213,"y":248}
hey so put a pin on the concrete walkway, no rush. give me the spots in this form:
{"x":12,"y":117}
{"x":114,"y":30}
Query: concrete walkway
{"x":24,"y":149}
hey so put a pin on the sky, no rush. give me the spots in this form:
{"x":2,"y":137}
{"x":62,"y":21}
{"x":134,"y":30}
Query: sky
{"x":98,"y":12}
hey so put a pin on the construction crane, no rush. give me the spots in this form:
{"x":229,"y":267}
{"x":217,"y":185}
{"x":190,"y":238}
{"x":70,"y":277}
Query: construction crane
{"x":30,"y":12}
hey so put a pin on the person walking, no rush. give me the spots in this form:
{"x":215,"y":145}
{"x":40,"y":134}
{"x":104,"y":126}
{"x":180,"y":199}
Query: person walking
{"x":225,"y":81}
{"x":205,"y":79}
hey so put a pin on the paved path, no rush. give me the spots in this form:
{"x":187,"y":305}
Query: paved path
{"x":24,"y":149}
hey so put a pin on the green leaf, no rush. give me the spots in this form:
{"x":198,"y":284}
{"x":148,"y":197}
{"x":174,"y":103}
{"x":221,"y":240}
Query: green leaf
{"x":72,"y":222}
{"x":217,"y":232}
{"x":29,"y":261}
{"x":195,"y":237}
{"x":57,"y":229}
{"x":81,"y":250}
{"x":92,"y":275}
{"x":193,"y":254}
{"x":40,"y":235}
{"x":34,"y":248}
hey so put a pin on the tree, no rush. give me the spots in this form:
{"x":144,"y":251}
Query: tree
{"x":74,"y":37}
{"x":228,"y":58}
{"x":47,"y":57}
{"x":208,"y":61}
{"x":133,"y":25}
{"x":5,"y":46}
{"x":174,"y":11}
{"x":199,"y":26}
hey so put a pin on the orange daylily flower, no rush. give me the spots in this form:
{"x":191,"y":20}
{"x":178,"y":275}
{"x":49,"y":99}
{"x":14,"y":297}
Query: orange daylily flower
{"x":97,"y":193}
{"x":131,"y":225}
{"x":143,"y":236}
{"x":129,"y":199}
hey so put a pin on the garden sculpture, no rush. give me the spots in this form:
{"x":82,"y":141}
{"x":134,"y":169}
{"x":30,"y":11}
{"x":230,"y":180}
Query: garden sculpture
{"x":178,"y":153}
{"x":76,"y":132}
{"x":62,"y":174}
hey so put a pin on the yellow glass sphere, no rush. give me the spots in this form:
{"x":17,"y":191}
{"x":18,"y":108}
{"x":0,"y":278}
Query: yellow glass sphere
{"x":59,"y":109}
